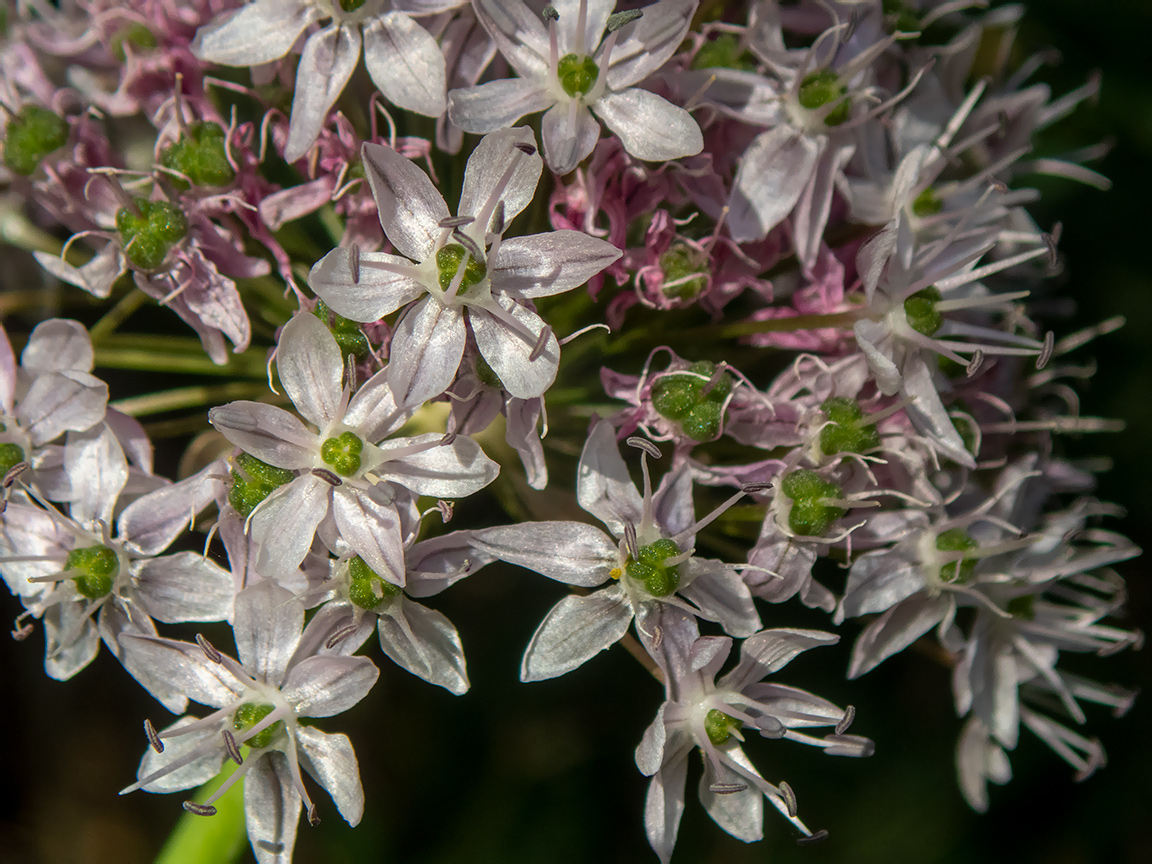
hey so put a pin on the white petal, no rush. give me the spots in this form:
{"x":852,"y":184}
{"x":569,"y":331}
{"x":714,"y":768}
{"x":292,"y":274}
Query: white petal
{"x":664,"y":805}
{"x":185,"y":587}
{"x":769,"y":651}
{"x":311,"y":368}
{"x":405,"y":63}
{"x":577,"y":629}
{"x":485,"y":176}
{"x":519,"y":34}
{"x":452,"y":470}
{"x":570,"y":552}
{"x":773,"y":173}
{"x":269,"y":433}
{"x":410,"y":207}
{"x":97,"y":471}
{"x":649,"y":126}
{"x":322,"y":686}
{"x":541,"y":265}
{"x":603,"y":485}
{"x":331,"y":760}
{"x":375,"y":293}
{"x":508,"y":351}
{"x":57,"y":345}
{"x":372,"y":530}
{"x":152,"y":522}
{"x":61,"y":402}
{"x":496,"y":105}
{"x":267,"y":627}
{"x":644,"y":46}
{"x":285,"y":524}
{"x":427,"y":645}
{"x":426,"y":351}
{"x":271,"y":809}
{"x":327,"y":63}
{"x":569,"y":135}
{"x":596,"y":14}
{"x":256,"y":34}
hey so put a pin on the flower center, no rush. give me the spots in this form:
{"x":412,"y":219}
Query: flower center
{"x":921,"y":312}
{"x":448,"y":260}
{"x":650,"y":567}
{"x":684,"y":277}
{"x":148,"y":236}
{"x":719,"y":726}
{"x":200,"y":156}
{"x":845,"y":433}
{"x":97,"y":566}
{"x":577,"y":74}
{"x":724,"y":52}
{"x":810,"y":515}
{"x":351,"y":5}
{"x":346,"y":332}
{"x":251,"y":713}
{"x":820,"y":88}
{"x":681,"y":398}
{"x":253,"y":482}
{"x":342,"y":453}
{"x":927,"y":203}
{"x":367,"y":588}
{"x":955,"y":540}
{"x":31,"y":135}
{"x":11,"y":455}
{"x":136,"y":35}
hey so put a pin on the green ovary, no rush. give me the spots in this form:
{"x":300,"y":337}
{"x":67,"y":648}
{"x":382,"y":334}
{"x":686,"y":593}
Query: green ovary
{"x":820,"y":88}
{"x":650,"y":567}
{"x":251,"y":713}
{"x":11,"y":455}
{"x":719,"y":726}
{"x":927,"y":203}
{"x":253,"y":481}
{"x":577,"y":74}
{"x":684,"y":278}
{"x":921,"y":312}
{"x":724,"y":52}
{"x":367,"y":588}
{"x":846,"y":433}
{"x":342,"y":453}
{"x":97,"y":567}
{"x":200,"y":156}
{"x":810,"y":516}
{"x":955,"y":540}
{"x":448,"y":261}
{"x":31,"y":135}
{"x":147,"y":236}
{"x":681,"y":398}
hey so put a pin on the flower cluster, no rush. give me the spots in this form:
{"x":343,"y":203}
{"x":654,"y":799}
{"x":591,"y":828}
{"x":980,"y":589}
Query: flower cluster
{"x":809,"y":267}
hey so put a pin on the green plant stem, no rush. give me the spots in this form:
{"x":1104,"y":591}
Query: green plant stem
{"x":215,"y":839}
{"x":188,"y":397}
{"x":118,"y":314}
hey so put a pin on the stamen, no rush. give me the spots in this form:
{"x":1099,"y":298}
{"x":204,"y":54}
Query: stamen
{"x":468,"y":243}
{"x":199,"y":809}
{"x":153,"y":738}
{"x":14,"y":472}
{"x":232,"y":748}
{"x":789,"y":797}
{"x":630,"y":545}
{"x":313,"y":816}
{"x":456,"y":221}
{"x":846,"y":720}
{"x":340,"y":635}
{"x":541,"y":344}
{"x":448,"y":438}
{"x":818,"y":837}
{"x":1050,"y":240}
{"x":354,"y":262}
{"x":1047,"y":350}
{"x":620,"y":19}
{"x":975,"y":363}
{"x":498,"y":225}
{"x":210,"y":652}
{"x":327,"y":476}
{"x":447,"y":510}
{"x":645,"y":445}
{"x":581,"y":28}
{"x":727,"y":788}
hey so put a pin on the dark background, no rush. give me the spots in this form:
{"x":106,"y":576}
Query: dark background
{"x":544,"y":772}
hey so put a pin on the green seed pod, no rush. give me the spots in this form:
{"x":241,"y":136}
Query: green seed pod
{"x":702,"y":422}
{"x":342,"y":453}
{"x":147,"y":237}
{"x":719,"y":726}
{"x":201,"y":156}
{"x":673,"y":396}
{"x":98,"y":566}
{"x":809,"y":516}
{"x":31,"y":135}
{"x":448,"y":260}
{"x":11,"y":455}
{"x":724,"y":52}
{"x":367,"y":588}
{"x":577,"y":74}
{"x":251,"y":713}
{"x":846,"y":433}
{"x":818,"y":89}
{"x":920,"y":309}
{"x":955,"y":540}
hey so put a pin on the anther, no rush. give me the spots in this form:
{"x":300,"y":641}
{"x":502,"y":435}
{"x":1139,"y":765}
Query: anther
{"x":153,"y":737}
{"x":447,"y":509}
{"x":846,"y":720}
{"x":23,"y":632}
{"x":14,"y":472}
{"x":340,"y":635}
{"x":753,"y":488}
{"x":354,"y":262}
{"x":549,"y":14}
{"x":620,"y":19}
{"x":1051,"y":238}
{"x":818,"y":837}
{"x":270,"y":846}
{"x":645,"y":445}
{"x":455,"y":221}
{"x":727,"y":788}
{"x":199,"y":809}
{"x":209,"y":652}
{"x":327,"y":476}
{"x":313,"y":816}
{"x":789,"y":798}
{"x":469,"y":244}
{"x":1047,"y":351}
{"x":526,"y":149}
{"x":448,"y":438}
{"x":232,"y":747}
{"x":541,"y":344}
{"x":975,"y":363}
{"x":630,"y":544}
{"x":498,"y":218}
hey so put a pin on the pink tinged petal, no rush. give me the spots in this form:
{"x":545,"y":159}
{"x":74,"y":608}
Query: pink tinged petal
{"x":372,"y":530}
{"x":151,"y":523}
{"x":405,"y":63}
{"x":894,"y":631}
{"x":485,"y":172}
{"x":453,"y":470}
{"x":311,"y":368}
{"x":96,"y":277}
{"x":97,"y":471}
{"x":664,"y":805}
{"x":426,"y":644}
{"x":649,"y":126}
{"x":196,"y":771}
{"x":58,"y":345}
{"x":410,"y":207}
{"x":441,"y":562}
{"x":672,"y":506}
{"x":271,"y":809}
{"x":741,"y":814}
{"x":568,"y":139}
{"x":603,"y":485}
{"x":325,"y":685}
{"x":575,"y":631}
{"x":721,"y":595}
{"x":541,"y":265}
{"x":773,"y":173}
{"x":332,"y":762}
{"x":267,"y":627}
{"x":810,"y":216}
{"x":7,"y":373}
{"x":267,"y":432}
{"x":62,"y":661}
{"x":185,"y":665}
{"x":646,"y":45}
{"x":596,"y":18}
{"x":928,"y":413}
{"x":370,"y":293}
{"x":496,"y":105}
{"x":650,"y":751}
{"x":293,"y":203}
{"x":132,"y":437}
{"x":426,"y":351}
{"x":868,"y":337}
{"x":184,"y":587}
{"x":256,"y":34}
{"x":328,"y":61}
{"x":509,"y":351}
{"x":570,"y":552}
{"x":372,"y":413}
{"x":519,"y":34}
{"x":769,"y":651}
{"x":521,"y":434}
{"x":877,"y":582}
{"x":285,"y":525}
{"x":60,"y":402}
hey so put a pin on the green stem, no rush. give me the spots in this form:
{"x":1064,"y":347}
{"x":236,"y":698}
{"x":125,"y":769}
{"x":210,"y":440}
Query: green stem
{"x":118,"y":314}
{"x":776,"y":325}
{"x":215,"y":839}
{"x":188,"y":397}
